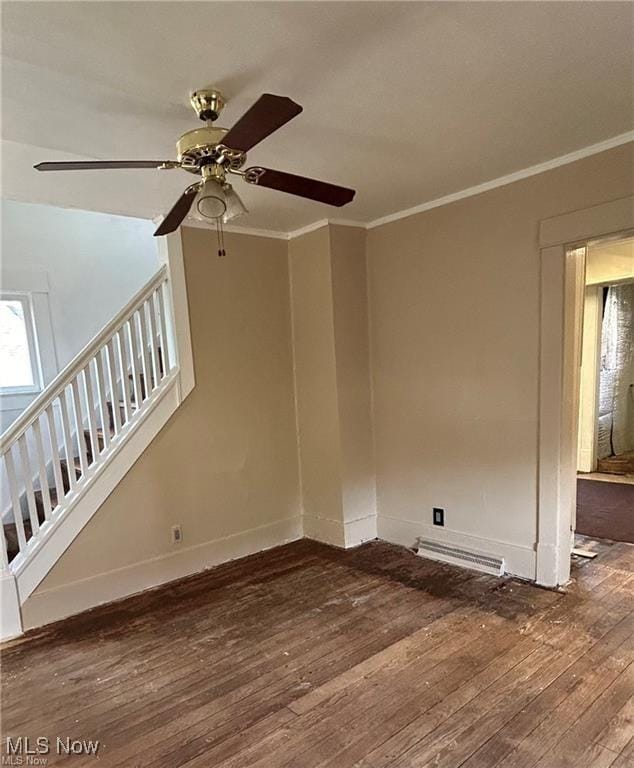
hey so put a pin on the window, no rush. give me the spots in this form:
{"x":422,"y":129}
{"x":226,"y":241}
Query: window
{"x":19,"y":364}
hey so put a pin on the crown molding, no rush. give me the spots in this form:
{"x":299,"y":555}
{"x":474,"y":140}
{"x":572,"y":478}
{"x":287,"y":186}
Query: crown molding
{"x":325,"y":222}
{"x":501,"y":181}
{"x":308,"y":228}
{"x":233,"y":229}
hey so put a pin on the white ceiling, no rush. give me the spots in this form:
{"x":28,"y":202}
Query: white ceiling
{"x":406,"y":102}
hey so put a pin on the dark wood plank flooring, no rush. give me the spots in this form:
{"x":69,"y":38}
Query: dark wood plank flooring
{"x":307,"y":656}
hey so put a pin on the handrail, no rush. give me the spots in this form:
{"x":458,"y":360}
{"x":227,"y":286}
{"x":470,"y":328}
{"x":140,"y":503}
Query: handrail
{"x":66,"y":375}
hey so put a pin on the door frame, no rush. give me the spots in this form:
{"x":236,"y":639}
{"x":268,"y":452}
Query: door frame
{"x":562,"y":241}
{"x":589,"y":383}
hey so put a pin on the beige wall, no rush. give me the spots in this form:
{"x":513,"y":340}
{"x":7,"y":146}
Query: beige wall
{"x":352,"y":352}
{"x":332,"y":374}
{"x":316,"y":384}
{"x":442,"y":400}
{"x":225,"y":465}
{"x":454,"y":297}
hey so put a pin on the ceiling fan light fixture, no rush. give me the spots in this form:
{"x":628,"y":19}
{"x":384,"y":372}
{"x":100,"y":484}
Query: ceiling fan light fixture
{"x":210,"y":203}
{"x":235,"y":206}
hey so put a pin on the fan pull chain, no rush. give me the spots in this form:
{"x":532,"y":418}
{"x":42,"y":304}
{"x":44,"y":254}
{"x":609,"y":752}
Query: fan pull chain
{"x":221,"y":238}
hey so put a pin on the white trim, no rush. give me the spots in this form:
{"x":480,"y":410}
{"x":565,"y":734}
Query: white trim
{"x":587,"y":224}
{"x":59,"y":602}
{"x":519,"y":560}
{"x":338,"y":533}
{"x":25,"y":299}
{"x":360,"y":530}
{"x":501,"y":181}
{"x":10,"y":616}
{"x":510,"y":178}
{"x":170,"y":250}
{"x":325,"y":530}
{"x":272,"y":233}
{"x":235,"y":229}
{"x":561,"y":294}
{"x":592,"y":322}
{"x":310,"y":228}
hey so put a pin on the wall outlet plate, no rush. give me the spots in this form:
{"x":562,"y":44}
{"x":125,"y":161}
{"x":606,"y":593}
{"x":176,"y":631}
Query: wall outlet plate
{"x":438,"y":516}
{"x":177,"y":534}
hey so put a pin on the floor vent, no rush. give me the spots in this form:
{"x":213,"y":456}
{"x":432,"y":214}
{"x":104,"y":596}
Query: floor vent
{"x":458,"y":556}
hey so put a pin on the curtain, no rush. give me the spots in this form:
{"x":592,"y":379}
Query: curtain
{"x":616,"y":382}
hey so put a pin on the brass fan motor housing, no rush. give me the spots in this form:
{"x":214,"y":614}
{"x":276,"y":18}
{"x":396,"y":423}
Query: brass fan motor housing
{"x":197,"y":146}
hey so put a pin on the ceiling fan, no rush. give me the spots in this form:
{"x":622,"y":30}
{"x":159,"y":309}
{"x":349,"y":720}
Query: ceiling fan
{"x":213,"y":153}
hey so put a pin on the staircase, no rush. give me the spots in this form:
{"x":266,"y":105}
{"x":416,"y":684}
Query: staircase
{"x":623,"y":464}
{"x":45,"y":496}
{"x":71,"y":446}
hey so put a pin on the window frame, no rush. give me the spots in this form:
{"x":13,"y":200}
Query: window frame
{"x":26,"y":299}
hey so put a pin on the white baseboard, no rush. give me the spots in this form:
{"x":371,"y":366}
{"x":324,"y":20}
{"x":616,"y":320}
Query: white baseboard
{"x":60,"y":602}
{"x":323,"y":529}
{"x":358,"y":531}
{"x":340,"y":534}
{"x":548,"y":568}
{"x":519,"y":560}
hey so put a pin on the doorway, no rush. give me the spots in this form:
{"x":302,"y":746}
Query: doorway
{"x":605,"y":458}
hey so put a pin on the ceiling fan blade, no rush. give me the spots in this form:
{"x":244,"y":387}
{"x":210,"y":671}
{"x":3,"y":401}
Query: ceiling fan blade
{"x":267,"y":115}
{"x":300,"y":185}
{"x":180,"y":209}
{"x":93,"y":165}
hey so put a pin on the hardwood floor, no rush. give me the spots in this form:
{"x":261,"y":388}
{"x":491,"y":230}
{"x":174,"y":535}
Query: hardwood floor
{"x":308,"y":656}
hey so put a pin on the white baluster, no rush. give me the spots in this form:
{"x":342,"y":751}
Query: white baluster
{"x":4,"y":551}
{"x":27,"y":476}
{"x":105,"y":418}
{"x":155,"y":312}
{"x":134,"y":361}
{"x":144,"y":342}
{"x":112,"y":384}
{"x":41,"y":461}
{"x":69,"y":448}
{"x":156,"y":366}
{"x":165,"y":342}
{"x":125,"y":369}
{"x":79,"y":426}
{"x":90,"y":413}
{"x":57,"y":469}
{"x":15,"y":500}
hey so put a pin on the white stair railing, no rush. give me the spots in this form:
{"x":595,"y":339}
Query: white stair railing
{"x":69,"y":431}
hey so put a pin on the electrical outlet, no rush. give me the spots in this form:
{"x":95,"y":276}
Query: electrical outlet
{"x":177,"y":534}
{"x":438,"y":516}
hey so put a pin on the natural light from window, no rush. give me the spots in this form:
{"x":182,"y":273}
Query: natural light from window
{"x":16,"y":367}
